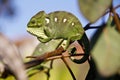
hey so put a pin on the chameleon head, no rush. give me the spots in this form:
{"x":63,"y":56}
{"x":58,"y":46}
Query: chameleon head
{"x":36,"y":26}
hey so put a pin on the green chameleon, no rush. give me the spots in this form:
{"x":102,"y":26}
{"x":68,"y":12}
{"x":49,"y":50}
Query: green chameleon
{"x":62,"y":26}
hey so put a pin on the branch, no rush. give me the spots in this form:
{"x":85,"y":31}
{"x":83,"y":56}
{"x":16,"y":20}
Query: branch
{"x":93,"y":27}
{"x":116,"y":19}
{"x":113,"y":8}
{"x":57,"y":54}
{"x":39,"y":59}
{"x":65,"y":56}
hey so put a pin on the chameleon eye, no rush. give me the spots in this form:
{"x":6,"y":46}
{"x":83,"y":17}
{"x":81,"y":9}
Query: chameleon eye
{"x":33,"y":21}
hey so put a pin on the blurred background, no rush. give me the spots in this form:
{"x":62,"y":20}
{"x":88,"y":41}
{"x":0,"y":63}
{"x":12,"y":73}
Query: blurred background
{"x":15,"y":14}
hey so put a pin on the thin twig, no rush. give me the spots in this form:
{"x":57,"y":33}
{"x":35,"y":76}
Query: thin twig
{"x":46,"y":55}
{"x":116,"y":19}
{"x":72,"y":74}
{"x":94,"y":27}
{"x":113,"y":8}
{"x":39,"y":59}
{"x":58,"y":57}
{"x":66,"y":56}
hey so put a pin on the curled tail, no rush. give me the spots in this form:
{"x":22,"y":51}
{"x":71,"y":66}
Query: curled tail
{"x":84,"y":42}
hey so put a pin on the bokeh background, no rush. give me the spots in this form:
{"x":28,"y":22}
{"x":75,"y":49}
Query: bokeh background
{"x":14,"y":16}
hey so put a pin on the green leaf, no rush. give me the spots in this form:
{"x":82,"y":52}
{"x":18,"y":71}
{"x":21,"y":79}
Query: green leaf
{"x":106,"y":51}
{"x":47,"y":47}
{"x":94,"y":9}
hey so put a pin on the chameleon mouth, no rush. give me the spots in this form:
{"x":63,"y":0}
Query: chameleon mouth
{"x":37,"y":32}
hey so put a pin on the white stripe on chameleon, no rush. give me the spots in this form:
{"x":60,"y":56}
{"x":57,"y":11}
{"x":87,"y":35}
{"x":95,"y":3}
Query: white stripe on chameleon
{"x":73,"y":23}
{"x":47,"y":20}
{"x":64,"y":20}
{"x":55,"y":19}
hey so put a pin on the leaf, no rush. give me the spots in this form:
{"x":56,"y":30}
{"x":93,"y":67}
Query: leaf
{"x":106,"y":50}
{"x":47,"y":47}
{"x":36,"y":73}
{"x":94,"y":9}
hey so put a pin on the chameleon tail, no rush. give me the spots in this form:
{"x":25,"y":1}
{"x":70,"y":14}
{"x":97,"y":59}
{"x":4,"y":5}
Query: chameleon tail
{"x":84,"y":42}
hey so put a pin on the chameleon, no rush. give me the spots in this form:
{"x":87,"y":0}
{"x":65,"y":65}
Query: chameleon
{"x":62,"y":26}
